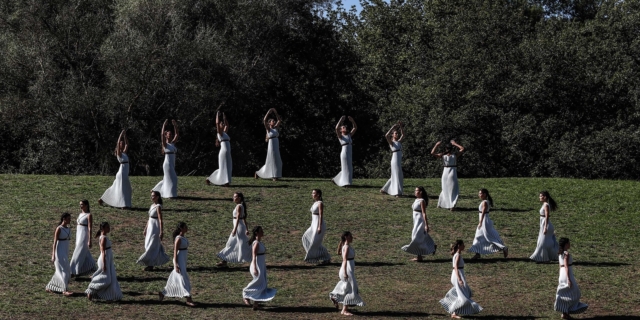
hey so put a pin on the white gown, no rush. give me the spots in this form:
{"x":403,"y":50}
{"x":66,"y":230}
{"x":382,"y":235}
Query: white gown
{"x":178,"y":284}
{"x":168,"y":187}
{"x":237,"y":249}
{"x":421,"y":243}
{"x":154,"y":254}
{"x":60,"y":280}
{"x":568,"y":298}
{"x":345,"y":177}
{"x":458,"y":299}
{"x":547,"y":246}
{"x":487,"y":239}
{"x":104,"y":285}
{"x":346,"y":291}
{"x":82,"y":262}
{"x":312,"y":240}
{"x":450,"y":189}
{"x":222,"y":176}
{"x":273,"y":166}
{"x":257,"y":289}
{"x":394,"y":184}
{"x":119,"y":194}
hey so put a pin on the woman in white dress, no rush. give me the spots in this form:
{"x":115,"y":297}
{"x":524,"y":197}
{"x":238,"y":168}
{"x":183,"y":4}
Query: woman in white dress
{"x":421,"y":243}
{"x":257,"y":290}
{"x":222,"y":176}
{"x":312,"y":238}
{"x":272,"y":168}
{"x":82,"y":262}
{"x":178,"y":284}
{"x":346,"y":291}
{"x":60,"y":257}
{"x":154,"y":254}
{"x":394,"y":185}
{"x":458,"y":301}
{"x":345,"y":177}
{"x":450,"y":189}
{"x":104,"y":282}
{"x":119,"y":194}
{"x":487,"y":239}
{"x":168,"y":187}
{"x":237,"y":249}
{"x":547,"y":246}
{"x":568,"y":292}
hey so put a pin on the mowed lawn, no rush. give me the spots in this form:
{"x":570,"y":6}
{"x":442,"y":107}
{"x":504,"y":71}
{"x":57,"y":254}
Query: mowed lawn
{"x":601,"y":217}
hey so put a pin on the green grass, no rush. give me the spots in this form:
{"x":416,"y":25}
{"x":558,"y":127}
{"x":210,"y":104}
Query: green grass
{"x":600,"y":216}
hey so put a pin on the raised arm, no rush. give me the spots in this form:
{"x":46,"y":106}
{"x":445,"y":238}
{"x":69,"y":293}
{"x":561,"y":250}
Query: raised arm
{"x":355,"y":126}
{"x":340,"y":122}
{"x":176,"y":134}
{"x":266,"y":119}
{"x":401,"y":126}
{"x":279,"y":119}
{"x":226,"y":123}
{"x":162,"y":139}
{"x":218,"y":128}
{"x":460,"y":148}
{"x":389,"y":133}
{"x":117,"y":151}
{"x":176,"y":246}
{"x":126,"y":144}
{"x":433,"y":151}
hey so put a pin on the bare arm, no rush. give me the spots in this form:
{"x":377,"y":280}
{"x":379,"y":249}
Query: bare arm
{"x":320,"y":216}
{"x":345,"y":252}
{"x":55,"y":243}
{"x":401,"y":131}
{"x":484,"y":212}
{"x":279,"y":120}
{"x":159,"y":210}
{"x":226,"y":123}
{"x":237,"y":220}
{"x":218,"y":129}
{"x":90,"y":226}
{"x":388,"y":135}
{"x":162,"y":140}
{"x":546,"y":218}
{"x":254,"y":259}
{"x":455,"y":267}
{"x":103,"y":244}
{"x":340,"y":122}
{"x":423,"y":206}
{"x":266,"y":119}
{"x":176,"y":246}
{"x":460,"y":148}
{"x":433,"y":151}
{"x":126,"y":141}
{"x":176,"y":134}
{"x":355,"y":126}
{"x":118,"y":144}
{"x":566,"y":268}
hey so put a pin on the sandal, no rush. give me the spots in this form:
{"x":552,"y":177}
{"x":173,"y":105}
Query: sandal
{"x":160,"y":296}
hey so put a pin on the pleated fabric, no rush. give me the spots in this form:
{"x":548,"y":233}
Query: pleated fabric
{"x":237,"y":249}
{"x":273,"y":165}
{"x":346,"y":291}
{"x":154,"y":254}
{"x":345,"y":177}
{"x":421,"y":242}
{"x":450,"y":189}
{"x":82,"y":262}
{"x":487,"y":240}
{"x":547,"y":246}
{"x":222,"y":176}
{"x":458,"y":299}
{"x":168,"y":187}
{"x":395,"y":183}
{"x":568,"y":298}
{"x":312,"y":240}
{"x":178,"y":284}
{"x":119,"y":194}
{"x":257,"y":289}
{"x":104,"y":285}
{"x":60,"y":280}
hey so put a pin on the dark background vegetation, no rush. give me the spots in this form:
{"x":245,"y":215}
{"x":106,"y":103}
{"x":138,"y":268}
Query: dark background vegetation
{"x":531,"y":88}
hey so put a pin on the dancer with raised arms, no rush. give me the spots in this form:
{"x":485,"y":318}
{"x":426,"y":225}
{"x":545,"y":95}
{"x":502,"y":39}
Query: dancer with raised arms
{"x":256,"y":291}
{"x":222,"y":176}
{"x":60,"y":257}
{"x":346,"y":291}
{"x":104,"y":282}
{"x":237,"y":249}
{"x":568,"y":293}
{"x":421,"y":243}
{"x":487,"y":240}
{"x":395,"y":183}
{"x":547,"y":246}
{"x":458,"y":301}
{"x":272,"y":168}
{"x":313,"y":237}
{"x":168,"y":187}
{"x":345,"y":177}
{"x":178,"y":284}
{"x":450,"y":189}
{"x":82,"y":262}
{"x":154,"y":254}
{"x":119,"y":194}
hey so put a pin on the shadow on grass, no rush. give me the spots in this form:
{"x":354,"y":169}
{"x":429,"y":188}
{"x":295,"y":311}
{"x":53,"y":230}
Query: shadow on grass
{"x":493,"y":316}
{"x":138,"y":209}
{"x":378,"y":264}
{"x":614,"y":317}
{"x":258,"y":186}
{"x":513,"y":210}
{"x":496,"y":260}
{"x":302,"y":267}
{"x":426,"y":260}
{"x":139,"y":279}
{"x":355,"y":186}
{"x":395,"y":314}
{"x":218,"y":269}
{"x":181,"y":302}
{"x":600,"y":264}
{"x":308,"y":309}
{"x":202,"y":199}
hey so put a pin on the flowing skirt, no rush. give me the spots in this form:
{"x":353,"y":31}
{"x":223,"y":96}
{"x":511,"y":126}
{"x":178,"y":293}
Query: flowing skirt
{"x":154,"y":254}
{"x":568,"y":298}
{"x":487,"y":240}
{"x":60,"y":280}
{"x":237,"y":249}
{"x":168,"y":187}
{"x":119,"y":194}
{"x":458,"y":299}
{"x":547,"y":246}
{"x":178,"y":284}
{"x":450,"y":189}
{"x":104,"y":285}
{"x":346,"y":291}
{"x":257,"y":289}
{"x":394,"y":184}
{"x":421,"y":243}
{"x":312,"y":242}
{"x":82,"y":262}
{"x":345,"y":177}
{"x":222,"y":176}
{"x":273,"y":165}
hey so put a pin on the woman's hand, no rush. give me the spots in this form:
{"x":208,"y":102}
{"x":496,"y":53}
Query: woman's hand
{"x":544,"y":231}
{"x":426,"y":229}
{"x":176,"y":268}
{"x":53,"y":258}
{"x":144,"y":233}
{"x":569,"y":282}
{"x":255,"y":273}
{"x":89,"y":243}
{"x":246,"y":232}
{"x":233,"y":233}
{"x":319,"y":230}
{"x":460,"y":282}
{"x":161,"y":235}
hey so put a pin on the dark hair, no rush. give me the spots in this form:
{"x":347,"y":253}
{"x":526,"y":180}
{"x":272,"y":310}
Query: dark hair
{"x":448,"y":148}
{"x":485,"y":191}
{"x":561,"y":244}
{"x":244,"y":205}
{"x":552,"y":203}
{"x":102,"y":225}
{"x":157,"y":193}
{"x":86,"y":203}
{"x":177,"y":231}
{"x":455,"y":246}
{"x":424,"y":194}
{"x":318,"y":192}
{"x":62,"y":216}
{"x":343,"y":239}
{"x":254,"y":234}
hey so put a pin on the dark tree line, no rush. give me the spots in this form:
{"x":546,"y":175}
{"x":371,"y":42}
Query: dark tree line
{"x":530,"y":88}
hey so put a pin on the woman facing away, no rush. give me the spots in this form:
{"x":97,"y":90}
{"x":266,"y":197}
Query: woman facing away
{"x":168,"y":187}
{"x":119,"y":194}
{"x":257,"y":290}
{"x":237,"y":249}
{"x":487,"y":240}
{"x":547,"y":246}
{"x":222,"y":176}
{"x":421,"y":243}
{"x":394,"y":184}
{"x":82,"y":262}
{"x":450,"y":189}
{"x":313,"y":237}
{"x":458,"y":300}
{"x":272,"y":168}
{"x":154,"y":254}
{"x":345,"y":177}
{"x":104,"y":282}
{"x":346,"y":291}
{"x":60,"y":257}
{"x":568,"y":293}
{"x":178,"y":284}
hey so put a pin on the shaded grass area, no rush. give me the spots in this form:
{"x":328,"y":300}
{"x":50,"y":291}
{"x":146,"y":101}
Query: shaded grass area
{"x":600,"y":216}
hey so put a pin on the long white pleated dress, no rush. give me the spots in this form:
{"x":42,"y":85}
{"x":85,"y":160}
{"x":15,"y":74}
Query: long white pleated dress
{"x":82,"y":262}
{"x":421,"y":243}
{"x":237,"y":249}
{"x":547,"y":247}
{"x":273,"y":165}
{"x":168,"y":187}
{"x":119,"y":194}
{"x":345,"y":177}
{"x":568,"y":298}
{"x":60,"y":280}
{"x":222,"y":176}
{"x":312,"y":240}
{"x":487,"y":239}
{"x":178,"y":284}
{"x":450,"y":189}
{"x":458,"y":299}
{"x":257,"y":289}
{"x":394,"y":184}
{"x":154,"y":254}
{"x":104,"y":285}
{"x":346,"y":291}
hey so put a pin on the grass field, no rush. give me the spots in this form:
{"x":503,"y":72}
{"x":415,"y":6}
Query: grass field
{"x":600,"y":216}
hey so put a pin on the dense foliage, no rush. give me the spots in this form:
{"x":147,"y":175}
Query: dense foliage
{"x":530,"y":88}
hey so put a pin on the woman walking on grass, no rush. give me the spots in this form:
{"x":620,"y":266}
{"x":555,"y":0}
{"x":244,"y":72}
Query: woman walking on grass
{"x":82,"y":262}
{"x":154,"y":254}
{"x":487,"y":239}
{"x":272,"y":168}
{"x":458,"y":301}
{"x":346,"y":291}
{"x":421,"y":243}
{"x":450,"y":189}
{"x":345,"y":177}
{"x":178,"y":284}
{"x":222,"y":176}
{"x":313,"y":237}
{"x":60,"y":257}
{"x":119,"y":194}
{"x":568,"y":292}
{"x":104,"y":282}
{"x":395,"y":183}
{"x":237,"y":249}
{"x":168,"y":187}
{"x":256,"y":291}
{"x":547,"y":246}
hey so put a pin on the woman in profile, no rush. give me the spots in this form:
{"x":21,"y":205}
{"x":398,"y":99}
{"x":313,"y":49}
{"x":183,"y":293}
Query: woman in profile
{"x":313,"y":237}
{"x":154,"y":254}
{"x":104,"y":282}
{"x":458,"y":301}
{"x":547,"y":246}
{"x":421,"y":243}
{"x":346,"y":291}
{"x":272,"y":168}
{"x":60,"y":257}
{"x":178,"y":284}
{"x":450,"y":189}
{"x":237,"y":249}
{"x":345,"y":177}
{"x":568,"y":293}
{"x":487,"y":240}
{"x":82,"y":262}
{"x":222,"y":176}
{"x":395,"y":183}
{"x":256,"y":291}
{"x":168,"y":187}
{"x":119,"y":194}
